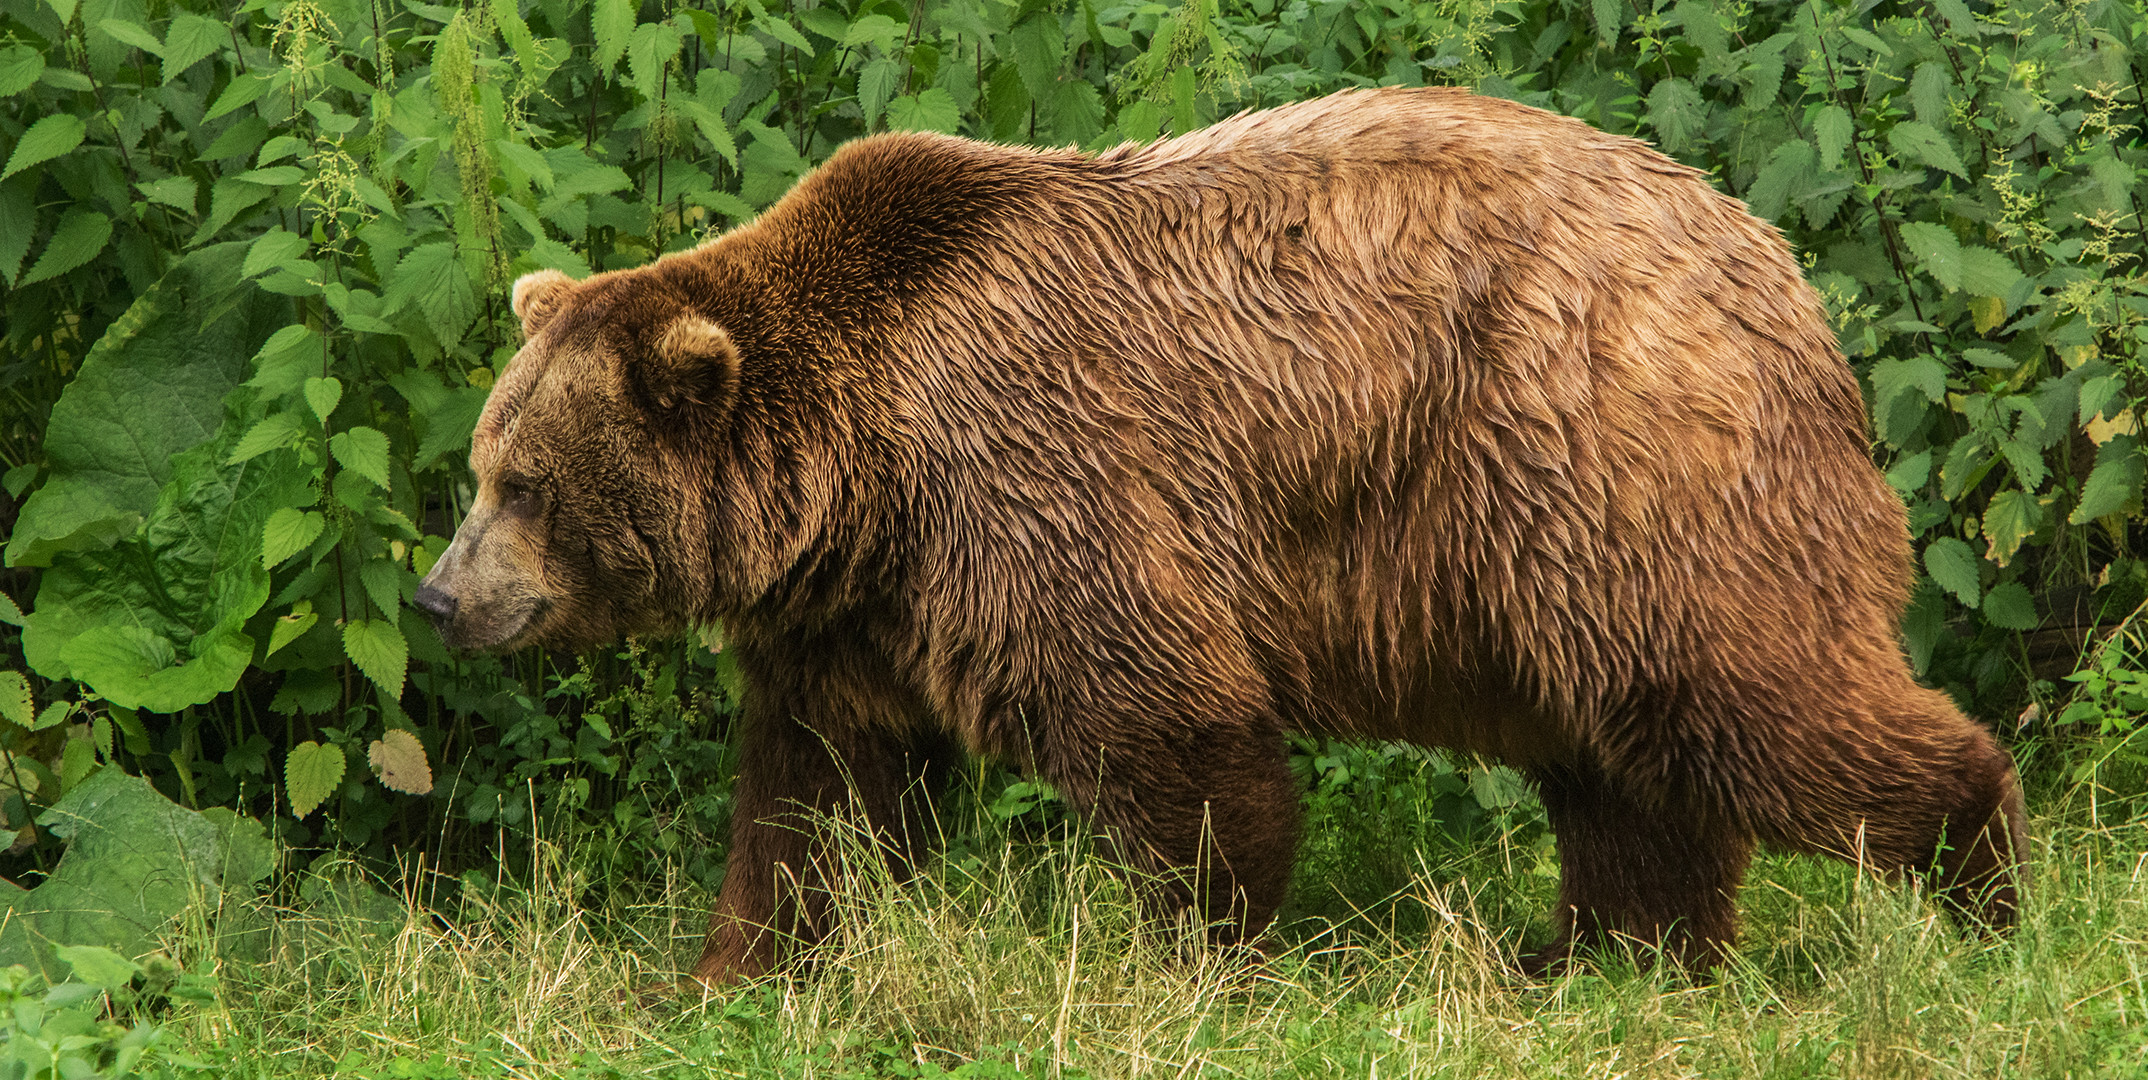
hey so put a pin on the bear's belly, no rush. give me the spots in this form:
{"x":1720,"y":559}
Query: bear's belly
{"x":1355,"y":698}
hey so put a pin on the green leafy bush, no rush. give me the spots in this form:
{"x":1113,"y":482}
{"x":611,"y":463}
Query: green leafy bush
{"x":70,"y":1031}
{"x":255,"y":264}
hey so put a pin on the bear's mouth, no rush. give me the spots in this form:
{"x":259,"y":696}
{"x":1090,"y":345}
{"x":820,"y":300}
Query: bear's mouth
{"x":506,"y":631}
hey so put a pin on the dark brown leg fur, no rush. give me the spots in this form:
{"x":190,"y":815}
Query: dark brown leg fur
{"x":1911,"y":787}
{"x":1632,"y":873}
{"x":775,"y":890}
{"x":1211,"y":818}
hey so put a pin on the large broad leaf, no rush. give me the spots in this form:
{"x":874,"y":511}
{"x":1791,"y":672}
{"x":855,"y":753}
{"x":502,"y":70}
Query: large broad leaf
{"x":134,"y":861}
{"x":151,"y":387}
{"x":155,"y":621}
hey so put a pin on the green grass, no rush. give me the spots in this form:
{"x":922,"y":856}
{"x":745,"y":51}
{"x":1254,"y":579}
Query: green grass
{"x":1020,"y":955}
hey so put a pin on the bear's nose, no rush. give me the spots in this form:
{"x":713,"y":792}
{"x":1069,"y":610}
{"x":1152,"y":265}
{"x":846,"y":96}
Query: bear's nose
{"x":437,"y":605}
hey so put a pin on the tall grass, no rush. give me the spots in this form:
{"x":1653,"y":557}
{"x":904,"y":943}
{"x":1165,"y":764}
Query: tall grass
{"x":1021,"y":955}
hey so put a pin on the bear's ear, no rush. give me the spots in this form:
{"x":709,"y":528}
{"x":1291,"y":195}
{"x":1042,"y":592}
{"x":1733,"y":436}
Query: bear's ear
{"x":694,"y":363}
{"x":538,"y":297}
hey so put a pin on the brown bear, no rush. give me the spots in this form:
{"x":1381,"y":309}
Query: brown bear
{"x":1404,"y":414}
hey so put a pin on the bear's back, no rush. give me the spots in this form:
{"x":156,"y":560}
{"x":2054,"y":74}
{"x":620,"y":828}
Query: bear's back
{"x":1353,"y":370}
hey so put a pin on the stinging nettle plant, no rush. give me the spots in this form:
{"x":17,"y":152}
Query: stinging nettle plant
{"x":253,"y":262}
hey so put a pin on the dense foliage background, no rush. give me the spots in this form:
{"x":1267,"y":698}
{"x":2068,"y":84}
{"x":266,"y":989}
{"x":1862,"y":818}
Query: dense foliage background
{"x":253,"y":262}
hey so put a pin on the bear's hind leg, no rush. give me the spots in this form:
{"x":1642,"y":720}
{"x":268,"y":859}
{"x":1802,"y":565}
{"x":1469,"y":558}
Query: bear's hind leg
{"x":1904,"y":785}
{"x":1636,"y":873}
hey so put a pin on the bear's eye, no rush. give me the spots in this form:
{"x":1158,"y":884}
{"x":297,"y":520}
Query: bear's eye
{"x":518,"y":494}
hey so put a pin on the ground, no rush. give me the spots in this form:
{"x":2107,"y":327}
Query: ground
{"x":1015,"y":957}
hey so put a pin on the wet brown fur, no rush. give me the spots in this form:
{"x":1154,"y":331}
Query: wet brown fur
{"x":1401,"y":414}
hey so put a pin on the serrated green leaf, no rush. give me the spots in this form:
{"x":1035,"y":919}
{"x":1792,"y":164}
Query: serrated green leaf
{"x":873,"y":29}
{"x":273,"y":176}
{"x":55,"y":134}
{"x":272,"y":433}
{"x":1074,"y":114}
{"x":1938,"y":252}
{"x":242,"y":91}
{"x":289,"y":531}
{"x":1954,"y":566}
{"x":1910,"y":473}
{"x":16,"y":705}
{"x":277,"y":149}
{"x":932,"y":110}
{"x":1038,"y":46}
{"x":876,"y":84}
{"x":271,"y":250}
{"x":1610,"y":18}
{"x":20,"y":65}
{"x":651,"y":46}
{"x":1967,"y":461}
{"x":2115,"y":482}
{"x":777,"y":27}
{"x":80,"y":236}
{"x":18,"y":221}
{"x":132,"y":34}
{"x":2099,"y":395}
{"x":362,"y":450}
{"x":323,"y":395}
{"x":432,"y":279}
{"x":383,"y":582}
{"x":1922,"y":373}
{"x":2027,"y":459}
{"x":725,"y":203}
{"x":189,"y":40}
{"x":1831,"y":129}
{"x":1787,"y":174}
{"x":399,"y":760}
{"x":1921,"y":142}
{"x":377,"y":647}
{"x":2011,"y":518}
{"x":507,"y":15}
{"x":286,"y":360}
{"x":10,"y":612}
{"x":2010,"y":607}
{"x":709,"y":122}
{"x":53,"y":715}
{"x":1930,"y":89}
{"x":1986,"y":272}
{"x":288,"y":629}
{"x":1676,"y":111}
{"x":523,"y":157}
{"x":1705,"y":32}
{"x":177,"y":192}
{"x":1958,"y":16}
{"x":227,"y":200}
{"x":611,"y":24}
{"x":310,"y":775}
{"x":547,"y":253}
{"x":1868,"y":39}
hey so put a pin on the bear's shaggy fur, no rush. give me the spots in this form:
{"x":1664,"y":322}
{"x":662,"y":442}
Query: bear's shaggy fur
{"x":1399,"y":414}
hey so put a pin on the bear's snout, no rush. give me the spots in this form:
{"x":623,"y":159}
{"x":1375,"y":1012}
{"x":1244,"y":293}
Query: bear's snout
{"x":436,"y":604}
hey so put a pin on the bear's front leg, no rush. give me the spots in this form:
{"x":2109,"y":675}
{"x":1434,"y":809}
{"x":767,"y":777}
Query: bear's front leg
{"x":1201,"y":808}
{"x":811,"y":748}
{"x":1636,"y":873}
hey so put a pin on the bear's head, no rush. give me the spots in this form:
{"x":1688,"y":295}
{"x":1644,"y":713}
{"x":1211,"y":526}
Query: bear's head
{"x":589,"y":517}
